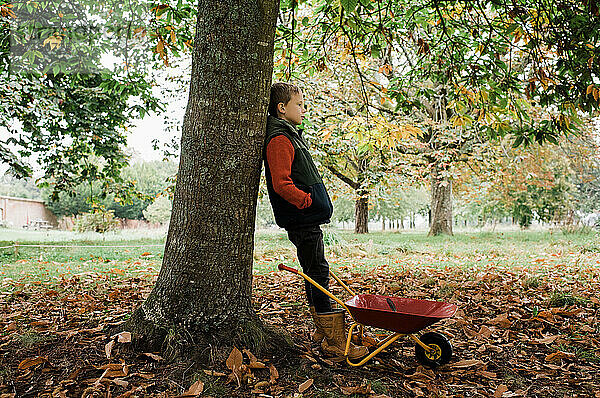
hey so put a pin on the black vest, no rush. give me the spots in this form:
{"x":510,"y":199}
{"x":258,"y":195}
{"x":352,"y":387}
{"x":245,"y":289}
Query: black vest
{"x":305,"y":177}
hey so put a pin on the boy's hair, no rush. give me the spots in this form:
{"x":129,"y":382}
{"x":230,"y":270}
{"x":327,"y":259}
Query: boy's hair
{"x":281,"y":92}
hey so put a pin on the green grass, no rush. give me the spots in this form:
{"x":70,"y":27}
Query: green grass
{"x":532,"y":253}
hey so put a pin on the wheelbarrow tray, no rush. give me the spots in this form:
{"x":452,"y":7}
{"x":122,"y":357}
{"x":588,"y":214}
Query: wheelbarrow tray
{"x":410,"y":315}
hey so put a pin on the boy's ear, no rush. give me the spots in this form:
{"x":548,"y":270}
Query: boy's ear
{"x":281,"y":107}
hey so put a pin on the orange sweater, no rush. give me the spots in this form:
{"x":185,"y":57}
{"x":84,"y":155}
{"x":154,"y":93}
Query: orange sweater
{"x":280,"y":155}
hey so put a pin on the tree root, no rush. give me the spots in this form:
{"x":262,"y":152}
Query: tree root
{"x":175,"y":342}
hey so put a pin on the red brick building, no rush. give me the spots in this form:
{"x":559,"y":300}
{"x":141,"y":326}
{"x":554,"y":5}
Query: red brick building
{"x":18,"y":212}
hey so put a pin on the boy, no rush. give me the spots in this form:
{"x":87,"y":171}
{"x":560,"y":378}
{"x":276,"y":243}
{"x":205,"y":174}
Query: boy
{"x":301,"y":204}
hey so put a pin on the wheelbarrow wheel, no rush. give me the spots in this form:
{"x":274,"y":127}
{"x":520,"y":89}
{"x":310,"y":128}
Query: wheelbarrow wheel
{"x":440,"y":354}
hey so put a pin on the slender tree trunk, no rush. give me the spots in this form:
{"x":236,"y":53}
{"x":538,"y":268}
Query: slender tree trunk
{"x":441,"y":203}
{"x":402,"y":222}
{"x":203,"y":292}
{"x":382,"y":223}
{"x":361,"y":213}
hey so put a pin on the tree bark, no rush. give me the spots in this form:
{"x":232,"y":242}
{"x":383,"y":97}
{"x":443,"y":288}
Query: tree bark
{"x":203,"y":293}
{"x":361,"y":213}
{"x":441,"y":203}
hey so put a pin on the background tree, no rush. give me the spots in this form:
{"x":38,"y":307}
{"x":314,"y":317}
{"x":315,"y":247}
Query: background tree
{"x":159,"y":211}
{"x":537,"y":183}
{"x":59,"y":104}
{"x":148,"y":180}
{"x":465,"y":71}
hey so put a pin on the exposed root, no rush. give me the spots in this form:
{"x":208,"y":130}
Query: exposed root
{"x":178,"y":343}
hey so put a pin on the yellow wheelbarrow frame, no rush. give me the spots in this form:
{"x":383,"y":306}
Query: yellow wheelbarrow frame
{"x":432,"y":351}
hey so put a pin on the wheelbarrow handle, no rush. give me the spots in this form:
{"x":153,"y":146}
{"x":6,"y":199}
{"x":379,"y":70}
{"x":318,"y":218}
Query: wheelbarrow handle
{"x":315,"y":284}
{"x":286,"y":268}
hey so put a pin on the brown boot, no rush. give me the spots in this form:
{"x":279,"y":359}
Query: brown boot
{"x":332,"y":325}
{"x":318,"y":334}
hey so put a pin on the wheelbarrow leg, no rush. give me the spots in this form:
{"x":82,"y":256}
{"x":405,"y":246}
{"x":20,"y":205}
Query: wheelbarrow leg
{"x":384,"y":344}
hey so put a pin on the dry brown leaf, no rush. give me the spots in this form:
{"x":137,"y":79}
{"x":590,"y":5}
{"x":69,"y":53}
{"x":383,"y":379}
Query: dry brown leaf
{"x":467,"y":363}
{"x":546,"y":315}
{"x":501,"y":320}
{"x":557,"y":356}
{"x":547,"y":339}
{"x":39,"y":324}
{"x":111,"y":366}
{"x":262,"y":384}
{"x":214,"y":373}
{"x":274,"y":374}
{"x":146,"y":376}
{"x":28,"y":363}
{"x":108,"y":348}
{"x":251,"y":356}
{"x":362,"y":390}
{"x":502,"y":388}
{"x":195,"y":389}
{"x":121,"y":383}
{"x":28,"y":373}
{"x":305,"y":386}
{"x":123,"y":337}
{"x":257,"y":365}
{"x":486,"y":374}
{"x":11,"y":327}
{"x":235,"y":359}
{"x":485,"y":331}
{"x":153,"y":356}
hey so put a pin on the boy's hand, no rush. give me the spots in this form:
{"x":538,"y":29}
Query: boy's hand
{"x":307,"y":202}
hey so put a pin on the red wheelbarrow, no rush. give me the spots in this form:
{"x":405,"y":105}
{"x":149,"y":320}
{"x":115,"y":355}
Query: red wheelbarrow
{"x":403,"y":316}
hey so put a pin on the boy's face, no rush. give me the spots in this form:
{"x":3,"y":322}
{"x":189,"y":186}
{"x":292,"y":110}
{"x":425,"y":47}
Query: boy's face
{"x":294,"y":110}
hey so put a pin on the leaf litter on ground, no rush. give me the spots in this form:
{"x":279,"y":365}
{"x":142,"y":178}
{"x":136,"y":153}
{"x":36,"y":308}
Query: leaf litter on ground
{"x":528,"y":329}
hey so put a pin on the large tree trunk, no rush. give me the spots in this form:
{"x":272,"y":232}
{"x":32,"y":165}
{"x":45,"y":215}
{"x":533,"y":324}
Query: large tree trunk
{"x":441,"y":203}
{"x":361,"y":213}
{"x":203,"y":293}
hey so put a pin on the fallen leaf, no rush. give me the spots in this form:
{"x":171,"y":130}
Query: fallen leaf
{"x":502,"y":388}
{"x":195,"y":389}
{"x":123,"y":337}
{"x":235,"y":359}
{"x":27,"y":363}
{"x":153,"y":356}
{"x":262,"y":384}
{"x":547,"y":339}
{"x":361,"y":390}
{"x":108,"y":348}
{"x":557,"y":356}
{"x":214,"y":373}
{"x":305,"y":386}
{"x":257,"y":365}
{"x":25,"y":375}
{"x":485,"y":331}
{"x":467,"y":363}
{"x":120,"y":383}
{"x":274,"y":374}
{"x":251,"y":356}
{"x":501,"y":320}
{"x":39,"y":324}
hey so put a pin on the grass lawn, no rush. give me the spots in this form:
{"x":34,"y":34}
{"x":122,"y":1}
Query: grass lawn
{"x":527,"y":323}
{"x":122,"y":253}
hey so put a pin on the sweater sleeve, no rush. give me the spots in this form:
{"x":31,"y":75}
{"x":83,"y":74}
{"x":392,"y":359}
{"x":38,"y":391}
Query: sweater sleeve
{"x":280,"y":155}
